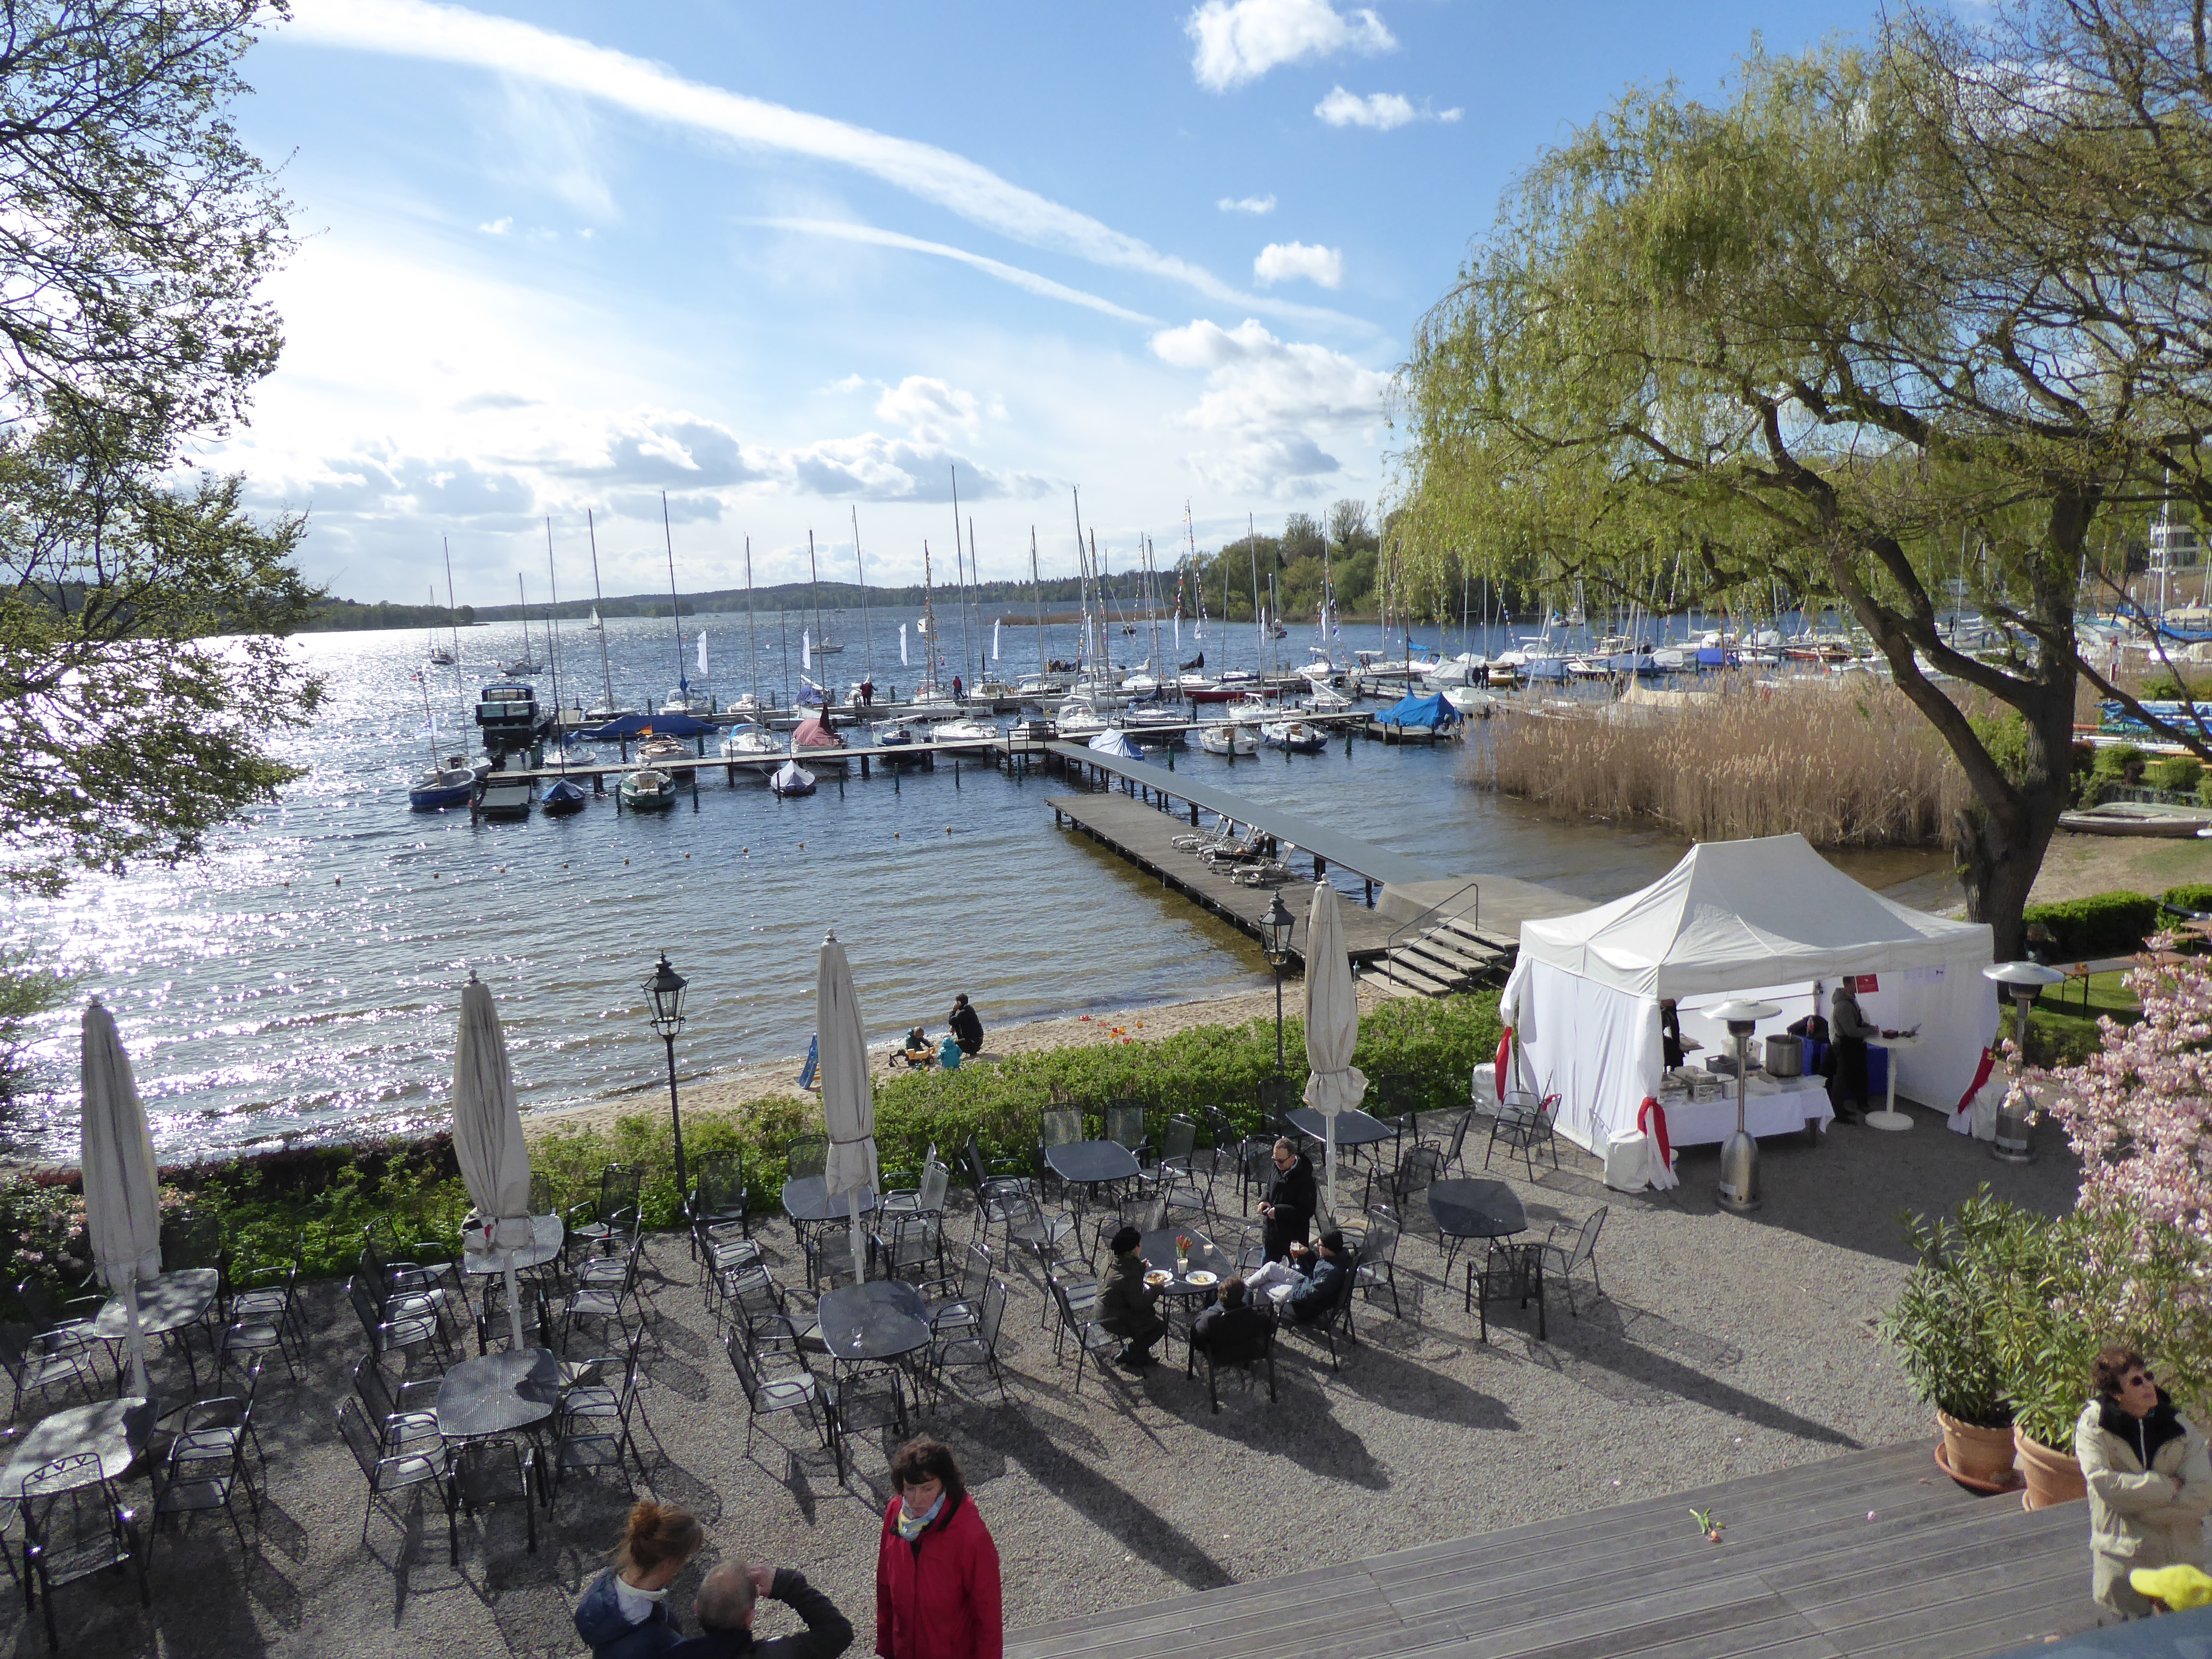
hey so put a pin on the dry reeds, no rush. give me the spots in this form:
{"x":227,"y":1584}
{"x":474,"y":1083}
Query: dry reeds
{"x":1843,"y":768}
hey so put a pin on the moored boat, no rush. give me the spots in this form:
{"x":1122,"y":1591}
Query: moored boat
{"x":1227,"y":738}
{"x":448,"y":785}
{"x":648,"y":789}
{"x":1296,"y":736}
{"x":791,"y":779}
{"x":563,"y":797}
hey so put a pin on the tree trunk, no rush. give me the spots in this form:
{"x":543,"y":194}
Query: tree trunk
{"x":1998,"y":865}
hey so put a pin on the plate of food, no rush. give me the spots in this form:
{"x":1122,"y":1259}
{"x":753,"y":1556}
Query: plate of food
{"x":1202,"y":1280}
{"x":1158,"y":1276}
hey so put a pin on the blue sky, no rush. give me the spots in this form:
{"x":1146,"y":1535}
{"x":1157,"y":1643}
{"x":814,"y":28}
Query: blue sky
{"x":792,"y":263}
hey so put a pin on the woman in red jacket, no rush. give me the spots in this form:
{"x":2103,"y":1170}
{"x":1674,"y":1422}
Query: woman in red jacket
{"x":937,"y":1571}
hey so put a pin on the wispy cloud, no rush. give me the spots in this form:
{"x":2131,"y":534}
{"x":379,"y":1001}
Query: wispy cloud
{"x":1282,"y":261}
{"x":497,"y":227}
{"x":847,"y":231}
{"x":417,"y":29}
{"x":1271,"y":402}
{"x":1255,"y":205}
{"x":1379,"y":110}
{"x":1240,"y":41}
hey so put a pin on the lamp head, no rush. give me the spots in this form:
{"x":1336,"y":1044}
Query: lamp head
{"x":1275,"y":931}
{"x":2023,"y":982}
{"x":1740,"y":1014}
{"x":665,"y":987}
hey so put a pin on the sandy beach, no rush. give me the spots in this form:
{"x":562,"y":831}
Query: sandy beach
{"x":726,"y":1091}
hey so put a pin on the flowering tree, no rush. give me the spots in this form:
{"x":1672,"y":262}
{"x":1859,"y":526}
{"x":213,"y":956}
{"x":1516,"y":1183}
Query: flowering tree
{"x":2139,"y":1113}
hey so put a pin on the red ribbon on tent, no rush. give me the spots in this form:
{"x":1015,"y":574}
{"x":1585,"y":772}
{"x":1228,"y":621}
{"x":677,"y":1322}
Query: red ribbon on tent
{"x":1504,"y":1060}
{"x":1981,"y":1076}
{"x":1651,"y":1119}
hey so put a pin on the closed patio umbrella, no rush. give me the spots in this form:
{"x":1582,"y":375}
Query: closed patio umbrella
{"x":1332,"y":1021}
{"x":488,"y":1141}
{"x":847,"y":1103}
{"x":122,"y":1200}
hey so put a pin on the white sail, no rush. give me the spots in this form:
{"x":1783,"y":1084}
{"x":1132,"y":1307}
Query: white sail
{"x":702,"y":653}
{"x":595,"y":625}
{"x":903,"y":661}
{"x":805,"y":649}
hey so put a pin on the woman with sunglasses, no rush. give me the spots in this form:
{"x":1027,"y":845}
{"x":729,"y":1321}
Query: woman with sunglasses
{"x":2149,"y":1482}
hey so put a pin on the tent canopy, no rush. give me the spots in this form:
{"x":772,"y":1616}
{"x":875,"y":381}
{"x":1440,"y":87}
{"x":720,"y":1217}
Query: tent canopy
{"x":640,"y":726}
{"x":1432,"y":711}
{"x":1738,"y":914}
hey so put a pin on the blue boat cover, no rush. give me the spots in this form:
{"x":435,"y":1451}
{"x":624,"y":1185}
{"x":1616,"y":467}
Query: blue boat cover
{"x":1432,"y":711}
{"x":656,"y":725}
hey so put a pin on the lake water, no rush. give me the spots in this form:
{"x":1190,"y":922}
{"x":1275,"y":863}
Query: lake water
{"x":303,"y":980}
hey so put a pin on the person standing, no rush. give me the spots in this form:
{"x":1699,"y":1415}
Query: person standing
{"x":1125,"y":1304}
{"x":624,"y":1614}
{"x":937,"y":1570}
{"x":2149,"y":1481}
{"x":724,"y":1606}
{"x":1848,"y":1032}
{"x":1292,"y":1197}
{"x":967,"y":1025}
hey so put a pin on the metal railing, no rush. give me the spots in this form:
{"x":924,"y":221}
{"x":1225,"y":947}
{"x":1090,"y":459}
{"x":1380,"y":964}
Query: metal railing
{"x":1427,"y":919}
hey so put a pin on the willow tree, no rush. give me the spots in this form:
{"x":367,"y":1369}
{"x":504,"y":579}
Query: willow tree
{"x":1816,"y":335}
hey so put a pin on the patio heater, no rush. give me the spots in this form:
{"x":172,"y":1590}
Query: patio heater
{"x":1739,"y":1183}
{"x":2023,"y":982}
{"x":1275,"y":939}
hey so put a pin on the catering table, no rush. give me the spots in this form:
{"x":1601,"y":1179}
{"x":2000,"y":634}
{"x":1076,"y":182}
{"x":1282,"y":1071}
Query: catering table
{"x":114,"y":1431}
{"x":1889,"y":1117}
{"x":173,"y":1302}
{"x":1353,"y":1128}
{"x":546,"y":1235}
{"x":1771,"y":1106}
{"x":878,"y":1322}
{"x":498,"y":1393}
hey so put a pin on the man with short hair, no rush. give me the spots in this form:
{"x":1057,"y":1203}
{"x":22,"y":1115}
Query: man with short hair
{"x":1232,"y":1323}
{"x":724,"y":1606}
{"x":1312,"y":1286}
{"x":1125,"y":1302}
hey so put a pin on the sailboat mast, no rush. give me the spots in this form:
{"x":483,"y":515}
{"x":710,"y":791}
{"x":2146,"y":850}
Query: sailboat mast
{"x":867,"y":635}
{"x":1258,"y":616}
{"x":1036,"y":586}
{"x":453,"y":620}
{"x":814,"y":582}
{"x":1082,"y":584}
{"x":552,"y":654}
{"x":982,"y":653}
{"x":928,"y":625}
{"x":1152,"y":601}
{"x":960,"y":577}
{"x":606,"y":670}
{"x":752,"y":626}
{"x":675,"y":605}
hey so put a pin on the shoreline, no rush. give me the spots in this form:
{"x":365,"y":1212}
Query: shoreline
{"x":725,"y":1091}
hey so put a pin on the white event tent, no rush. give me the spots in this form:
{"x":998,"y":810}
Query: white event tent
{"x":1770,"y":917}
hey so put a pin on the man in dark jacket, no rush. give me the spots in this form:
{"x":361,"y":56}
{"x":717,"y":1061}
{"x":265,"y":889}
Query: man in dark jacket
{"x":1293,"y":1197}
{"x":1848,"y":1032}
{"x":1232,"y":1327}
{"x":967,"y":1027}
{"x":726,"y":1604}
{"x":1125,"y":1304}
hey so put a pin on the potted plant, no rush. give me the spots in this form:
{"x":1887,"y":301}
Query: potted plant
{"x":2044,"y":1345}
{"x":1943,"y":1328}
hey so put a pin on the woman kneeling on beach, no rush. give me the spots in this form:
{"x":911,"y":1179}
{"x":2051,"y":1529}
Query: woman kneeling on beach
{"x":624,"y":1614}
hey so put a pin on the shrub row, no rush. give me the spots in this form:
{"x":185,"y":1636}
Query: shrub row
{"x":2101,"y":925}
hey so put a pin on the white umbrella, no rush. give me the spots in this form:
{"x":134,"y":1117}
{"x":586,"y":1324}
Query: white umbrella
{"x":847,"y":1103}
{"x":488,"y":1140}
{"x":1332,"y":1021}
{"x":122,"y":1198}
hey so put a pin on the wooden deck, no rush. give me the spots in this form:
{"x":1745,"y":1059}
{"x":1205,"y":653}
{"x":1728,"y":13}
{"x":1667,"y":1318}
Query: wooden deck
{"x":1804,"y":1574}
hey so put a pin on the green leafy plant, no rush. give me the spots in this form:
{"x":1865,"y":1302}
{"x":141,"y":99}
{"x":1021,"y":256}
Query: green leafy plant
{"x":2101,"y":925}
{"x":1943,"y":1325}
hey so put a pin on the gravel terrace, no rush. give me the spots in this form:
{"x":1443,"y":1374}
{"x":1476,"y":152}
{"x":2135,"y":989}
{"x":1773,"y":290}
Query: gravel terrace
{"x":1725,"y":1346}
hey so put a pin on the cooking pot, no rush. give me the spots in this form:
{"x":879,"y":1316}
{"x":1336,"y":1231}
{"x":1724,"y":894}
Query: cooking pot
{"x":1785,"y":1055}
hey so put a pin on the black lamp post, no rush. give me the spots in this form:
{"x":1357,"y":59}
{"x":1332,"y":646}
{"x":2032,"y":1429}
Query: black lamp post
{"x":1275,"y":939}
{"x":665,"y":987}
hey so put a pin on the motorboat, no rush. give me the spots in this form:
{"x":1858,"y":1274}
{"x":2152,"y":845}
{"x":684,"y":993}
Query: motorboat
{"x":648,"y":789}
{"x":507,"y":717}
{"x":1296,"y":736}
{"x":972,"y":733}
{"x":1468,"y":699}
{"x":502,"y":799}
{"x":563,"y":797}
{"x":791,"y":779}
{"x":1079,"y":720}
{"x":751,"y":743}
{"x":522,"y":664}
{"x":1154,"y":728}
{"x":441,"y":658}
{"x":683,"y":700}
{"x":894,"y":734}
{"x":448,"y":785}
{"x":656,"y":750}
{"x":1228,"y":737}
{"x":1323,"y":701}
{"x":752,"y":705}
{"x":1465,"y":668}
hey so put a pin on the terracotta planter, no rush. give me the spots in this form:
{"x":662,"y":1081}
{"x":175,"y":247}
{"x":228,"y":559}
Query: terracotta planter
{"x":1978,"y":1454}
{"x":2053,"y":1477}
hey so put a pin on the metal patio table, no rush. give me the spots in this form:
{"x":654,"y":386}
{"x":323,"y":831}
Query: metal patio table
{"x":879,"y":1322}
{"x":547,"y":1235}
{"x":1476,"y":1208}
{"x":498,"y":1393}
{"x":1353,"y":1128}
{"x":1159,"y":1251}
{"x":114,"y":1431}
{"x":1091,"y":1164}
{"x":175,"y":1302}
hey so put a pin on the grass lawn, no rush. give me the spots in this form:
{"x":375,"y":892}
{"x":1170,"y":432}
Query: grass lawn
{"x":2061,"y":1030}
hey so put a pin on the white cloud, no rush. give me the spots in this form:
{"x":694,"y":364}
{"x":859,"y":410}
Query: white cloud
{"x":497,"y":227}
{"x":846,"y":230}
{"x":1255,"y":205}
{"x":1280,"y":262}
{"x":1379,"y":110}
{"x":930,"y":409}
{"x":421,"y":29}
{"x":1270,"y":401}
{"x":1242,"y":41}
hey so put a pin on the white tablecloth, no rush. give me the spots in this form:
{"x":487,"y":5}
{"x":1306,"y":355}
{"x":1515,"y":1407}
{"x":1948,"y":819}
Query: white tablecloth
{"x":1770,"y":1108}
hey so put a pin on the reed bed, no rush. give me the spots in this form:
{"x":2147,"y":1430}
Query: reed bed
{"x":1855,"y":768}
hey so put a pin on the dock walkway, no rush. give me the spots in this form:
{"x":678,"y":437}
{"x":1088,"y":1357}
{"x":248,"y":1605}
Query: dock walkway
{"x":1872,"y":1555}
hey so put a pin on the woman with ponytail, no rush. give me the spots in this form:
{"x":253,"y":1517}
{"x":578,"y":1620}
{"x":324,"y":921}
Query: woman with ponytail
{"x":624,"y":1614}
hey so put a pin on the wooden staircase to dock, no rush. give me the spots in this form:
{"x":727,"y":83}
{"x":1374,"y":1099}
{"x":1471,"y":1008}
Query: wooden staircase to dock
{"x":1450,"y":955}
{"x":1875,"y":1555}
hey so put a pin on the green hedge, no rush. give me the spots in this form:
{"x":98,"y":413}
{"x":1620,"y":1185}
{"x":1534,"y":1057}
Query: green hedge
{"x":326,"y":1196}
{"x":2101,"y":925}
{"x":2195,"y":896}
{"x":2180,"y":774}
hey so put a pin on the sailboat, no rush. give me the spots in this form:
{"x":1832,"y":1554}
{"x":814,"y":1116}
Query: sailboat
{"x":441,"y":785}
{"x":595,"y":626}
{"x":522,"y":664}
{"x":680,"y":701}
{"x":440,"y":657}
{"x":930,"y":700}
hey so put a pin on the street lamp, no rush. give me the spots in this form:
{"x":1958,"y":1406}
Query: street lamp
{"x":2023,"y":982}
{"x":1275,"y":939}
{"x":665,"y":987}
{"x":1739,"y":1183}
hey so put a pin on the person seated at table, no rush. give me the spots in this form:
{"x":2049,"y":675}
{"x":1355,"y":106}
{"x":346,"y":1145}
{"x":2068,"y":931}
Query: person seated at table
{"x":1293,"y":1197}
{"x":726,"y":1598}
{"x":919,"y":1053}
{"x":1125,"y":1304}
{"x":967,"y":1025}
{"x":1232,"y":1321}
{"x":1317,"y":1281}
{"x":624,"y":1614}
